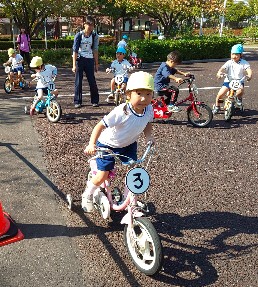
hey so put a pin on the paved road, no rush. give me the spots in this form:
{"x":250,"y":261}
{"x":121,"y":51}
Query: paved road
{"x":49,"y":257}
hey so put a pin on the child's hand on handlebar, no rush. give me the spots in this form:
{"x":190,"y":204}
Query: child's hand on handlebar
{"x":219,"y":75}
{"x":90,"y":149}
{"x":187,"y":74}
{"x":33,"y":75}
{"x":108,"y":70}
{"x":179,"y":80}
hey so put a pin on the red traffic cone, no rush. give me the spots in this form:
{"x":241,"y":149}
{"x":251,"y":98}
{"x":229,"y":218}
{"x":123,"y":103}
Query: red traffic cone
{"x":9,"y":232}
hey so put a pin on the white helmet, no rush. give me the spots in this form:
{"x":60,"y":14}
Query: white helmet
{"x":140,"y":80}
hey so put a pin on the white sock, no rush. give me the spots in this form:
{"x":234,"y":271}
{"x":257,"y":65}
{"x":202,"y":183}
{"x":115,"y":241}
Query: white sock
{"x":90,"y":189}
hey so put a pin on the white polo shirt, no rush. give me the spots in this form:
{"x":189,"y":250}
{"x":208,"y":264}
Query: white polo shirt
{"x":124,"y":129}
{"x":235,"y":70}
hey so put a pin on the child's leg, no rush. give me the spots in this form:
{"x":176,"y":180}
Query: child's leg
{"x":239,"y":93}
{"x":11,"y":76}
{"x":39,"y":98}
{"x":92,"y":186}
{"x":19,"y":76}
{"x":112,"y":85}
{"x":222,"y":92}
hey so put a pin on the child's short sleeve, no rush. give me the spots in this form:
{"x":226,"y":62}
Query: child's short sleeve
{"x":114,"y":117}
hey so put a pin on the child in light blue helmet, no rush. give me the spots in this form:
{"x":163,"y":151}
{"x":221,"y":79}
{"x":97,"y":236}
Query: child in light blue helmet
{"x":123,"y":43}
{"x":236,"y":69}
{"x":120,"y":66}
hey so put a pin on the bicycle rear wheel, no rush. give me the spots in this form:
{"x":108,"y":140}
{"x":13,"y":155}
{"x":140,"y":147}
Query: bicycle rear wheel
{"x":200,"y":116}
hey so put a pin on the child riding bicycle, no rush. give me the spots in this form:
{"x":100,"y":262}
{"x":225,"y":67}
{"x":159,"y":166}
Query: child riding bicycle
{"x":165,"y":72}
{"x":235,"y":68}
{"x":120,"y":66}
{"x":44,"y":75}
{"x":120,"y":130}
{"x":15,"y":60}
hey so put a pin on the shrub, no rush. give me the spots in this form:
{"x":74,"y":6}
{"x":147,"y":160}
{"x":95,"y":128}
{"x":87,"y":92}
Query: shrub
{"x":195,"y":48}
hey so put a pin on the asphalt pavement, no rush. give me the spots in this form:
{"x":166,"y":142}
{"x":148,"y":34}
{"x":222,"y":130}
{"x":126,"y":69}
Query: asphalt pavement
{"x":46,"y":256}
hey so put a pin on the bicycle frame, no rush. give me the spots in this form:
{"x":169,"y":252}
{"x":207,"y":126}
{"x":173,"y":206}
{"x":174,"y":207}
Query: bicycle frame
{"x":161,"y":111}
{"x":130,"y":199}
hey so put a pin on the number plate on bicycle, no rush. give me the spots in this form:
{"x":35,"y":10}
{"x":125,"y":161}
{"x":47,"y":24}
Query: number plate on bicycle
{"x":51,"y":86}
{"x":7,"y":69}
{"x":235,"y":85}
{"x":119,"y":79}
{"x":137,"y":180}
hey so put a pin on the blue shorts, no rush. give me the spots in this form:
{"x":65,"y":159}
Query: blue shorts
{"x":45,"y":90}
{"x":108,"y":162}
{"x":16,"y":70}
{"x":226,"y":84}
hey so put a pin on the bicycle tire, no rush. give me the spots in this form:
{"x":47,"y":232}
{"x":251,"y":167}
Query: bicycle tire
{"x":54,"y":112}
{"x":229,"y":112}
{"x":201,"y":117}
{"x":7,"y":86}
{"x":146,"y":251}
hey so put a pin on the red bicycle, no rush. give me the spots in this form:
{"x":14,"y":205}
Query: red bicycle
{"x":134,"y":60}
{"x":198,"y":113}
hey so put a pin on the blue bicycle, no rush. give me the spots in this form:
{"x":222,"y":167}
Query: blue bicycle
{"x":48,"y":105}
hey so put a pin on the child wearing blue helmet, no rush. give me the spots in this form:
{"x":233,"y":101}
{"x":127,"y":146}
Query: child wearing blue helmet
{"x":120,"y":66}
{"x":123,"y":42}
{"x":236,"y":69}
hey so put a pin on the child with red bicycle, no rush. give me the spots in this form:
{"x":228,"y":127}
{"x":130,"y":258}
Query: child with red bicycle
{"x":164,"y":74}
{"x":120,"y":130}
{"x":235,"y":68}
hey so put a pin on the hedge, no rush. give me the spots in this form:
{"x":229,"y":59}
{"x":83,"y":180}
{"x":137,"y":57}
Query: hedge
{"x":149,"y":50}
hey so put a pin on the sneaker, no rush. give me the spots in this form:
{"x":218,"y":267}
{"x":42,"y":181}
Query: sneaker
{"x":95,"y":105}
{"x":239,"y":102}
{"x":87,"y":203}
{"x":77,"y":106}
{"x":32,"y":111}
{"x":173,"y":108}
{"x":110,"y":99}
{"x":215,"y":109}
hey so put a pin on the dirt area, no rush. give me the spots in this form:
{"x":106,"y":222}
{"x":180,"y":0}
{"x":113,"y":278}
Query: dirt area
{"x":203,"y":190}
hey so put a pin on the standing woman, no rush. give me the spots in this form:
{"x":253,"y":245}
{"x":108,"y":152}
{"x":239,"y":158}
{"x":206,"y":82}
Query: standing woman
{"x":23,"y":41}
{"x":86,"y":59}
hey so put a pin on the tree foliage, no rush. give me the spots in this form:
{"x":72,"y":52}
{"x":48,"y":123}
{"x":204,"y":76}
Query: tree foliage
{"x":236,"y":13}
{"x":31,"y":14}
{"x":171,"y":12}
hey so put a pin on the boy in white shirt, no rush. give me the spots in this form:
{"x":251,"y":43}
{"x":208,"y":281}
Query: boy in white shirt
{"x":120,"y":66}
{"x":45,"y":75}
{"x":236,"y":69}
{"x":16,"y":61}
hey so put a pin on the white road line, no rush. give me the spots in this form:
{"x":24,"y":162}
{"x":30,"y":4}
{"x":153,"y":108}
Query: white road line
{"x":107,"y":93}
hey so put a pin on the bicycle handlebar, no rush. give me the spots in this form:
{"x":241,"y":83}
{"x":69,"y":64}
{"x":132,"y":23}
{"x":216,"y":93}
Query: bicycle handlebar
{"x":230,"y":79}
{"x":104,"y":152}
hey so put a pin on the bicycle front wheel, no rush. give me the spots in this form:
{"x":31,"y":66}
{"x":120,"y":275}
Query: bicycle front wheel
{"x":144,"y":246}
{"x":54,"y":112}
{"x":229,"y":112}
{"x":118,"y":98}
{"x":7,"y":86}
{"x":200,"y":116}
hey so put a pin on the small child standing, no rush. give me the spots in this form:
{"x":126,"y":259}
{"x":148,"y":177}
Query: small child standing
{"x":165,"y":72}
{"x":120,"y":130}
{"x":16,"y":61}
{"x":120,"y":66}
{"x":235,"y":68}
{"x":45,"y":75}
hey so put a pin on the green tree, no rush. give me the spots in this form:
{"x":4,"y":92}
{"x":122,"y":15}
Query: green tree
{"x":171,"y":13}
{"x":236,"y":13}
{"x":31,"y":14}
